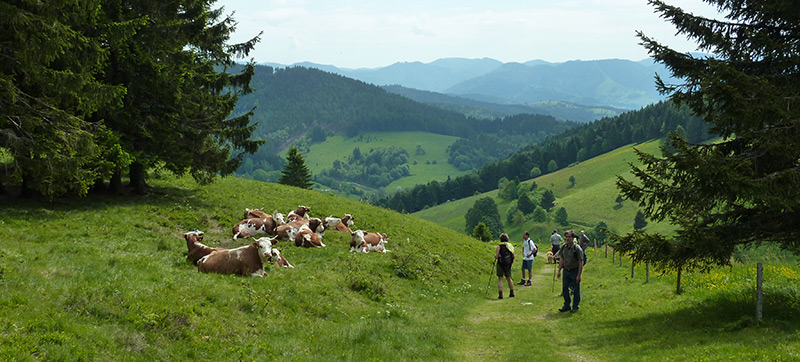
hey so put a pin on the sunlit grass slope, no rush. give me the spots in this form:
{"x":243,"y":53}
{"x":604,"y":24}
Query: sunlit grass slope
{"x":105,"y":278}
{"x":432,"y":165}
{"x":589,"y":201}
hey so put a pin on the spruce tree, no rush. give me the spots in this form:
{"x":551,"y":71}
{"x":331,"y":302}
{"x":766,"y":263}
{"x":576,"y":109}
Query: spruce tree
{"x":548,"y":200}
{"x":743,"y":190}
{"x":296,"y":173}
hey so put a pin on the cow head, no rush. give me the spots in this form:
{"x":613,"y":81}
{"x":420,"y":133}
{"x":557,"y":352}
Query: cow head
{"x":331,"y":222}
{"x":357,"y":242}
{"x":264,"y":245}
{"x":348,"y":220}
{"x":316,"y":225}
{"x":278,"y":218}
{"x":194,"y":236}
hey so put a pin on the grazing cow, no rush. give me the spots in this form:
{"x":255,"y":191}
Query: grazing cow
{"x":300,"y":213}
{"x":364,"y":242}
{"x":307,"y":237}
{"x":197,"y":249}
{"x":245,"y":260}
{"x":550,"y":258}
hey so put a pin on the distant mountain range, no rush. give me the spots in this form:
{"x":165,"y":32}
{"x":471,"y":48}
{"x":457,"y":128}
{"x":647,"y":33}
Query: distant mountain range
{"x":612,"y":83}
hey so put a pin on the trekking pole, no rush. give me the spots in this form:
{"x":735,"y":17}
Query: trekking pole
{"x":554,"y":278}
{"x":490,"y":278}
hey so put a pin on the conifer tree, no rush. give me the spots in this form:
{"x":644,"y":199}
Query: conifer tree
{"x":296,"y":173}
{"x":548,"y":200}
{"x":745,"y":189}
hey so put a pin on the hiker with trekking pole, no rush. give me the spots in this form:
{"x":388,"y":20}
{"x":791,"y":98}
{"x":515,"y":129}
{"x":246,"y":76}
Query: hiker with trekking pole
{"x":504,"y":255}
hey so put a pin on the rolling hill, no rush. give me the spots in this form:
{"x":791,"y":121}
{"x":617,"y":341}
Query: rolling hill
{"x":615,"y":83}
{"x":106,"y":278}
{"x":589,"y":201}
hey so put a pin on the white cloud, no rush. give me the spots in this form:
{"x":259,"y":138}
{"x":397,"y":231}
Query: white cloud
{"x":372,"y":34}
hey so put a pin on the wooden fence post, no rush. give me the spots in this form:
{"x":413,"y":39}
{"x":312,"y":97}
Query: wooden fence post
{"x":759,"y":291}
{"x":633,"y":264}
{"x":647,"y":268}
{"x":607,"y":250}
{"x":612,"y":256}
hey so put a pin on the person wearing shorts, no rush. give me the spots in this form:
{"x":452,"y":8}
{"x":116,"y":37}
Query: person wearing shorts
{"x":504,"y":253}
{"x":529,"y":250}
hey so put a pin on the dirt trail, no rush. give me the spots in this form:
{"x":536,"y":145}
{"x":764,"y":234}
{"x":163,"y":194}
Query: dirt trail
{"x":516,"y":328}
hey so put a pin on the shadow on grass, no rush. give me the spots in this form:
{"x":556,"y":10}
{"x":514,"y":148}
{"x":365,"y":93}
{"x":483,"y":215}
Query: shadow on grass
{"x":726,"y":318}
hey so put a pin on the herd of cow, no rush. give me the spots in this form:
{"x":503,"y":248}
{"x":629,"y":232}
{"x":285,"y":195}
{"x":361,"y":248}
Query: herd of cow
{"x":298,"y":227}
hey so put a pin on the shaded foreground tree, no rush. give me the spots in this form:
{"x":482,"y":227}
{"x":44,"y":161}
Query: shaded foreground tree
{"x":91,"y":89}
{"x":49,"y":54}
{"x":745,"y":189}
{"x":296,"y":173}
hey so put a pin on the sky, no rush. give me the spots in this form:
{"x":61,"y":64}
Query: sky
{"x":378,"y":33}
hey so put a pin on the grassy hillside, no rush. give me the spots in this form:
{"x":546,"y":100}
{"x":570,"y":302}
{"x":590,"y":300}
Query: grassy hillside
{"x":322,"y":155}
{"x":589,"y":201}
{"x":105,"y":278}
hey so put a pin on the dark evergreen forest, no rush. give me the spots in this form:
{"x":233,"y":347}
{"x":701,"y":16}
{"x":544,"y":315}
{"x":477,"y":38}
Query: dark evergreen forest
{"x":300,"y":106}
{"x":575,"y":145}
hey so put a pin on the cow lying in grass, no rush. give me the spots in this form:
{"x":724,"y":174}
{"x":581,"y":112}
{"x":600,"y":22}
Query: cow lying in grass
{"x":364,"y":242}
{"x":256,"y":226}
{"x":196,"y":249}
{"x":338,"y":224}
{"x":245,"y":260}
{"x":300,"y":213}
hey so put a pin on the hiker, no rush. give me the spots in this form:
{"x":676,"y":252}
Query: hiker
{"x":505,"y":257}
{"x":555,"y":241}
{"x":529,"y":251}
{"x":570,"y":259}
{"x":584,"y":245}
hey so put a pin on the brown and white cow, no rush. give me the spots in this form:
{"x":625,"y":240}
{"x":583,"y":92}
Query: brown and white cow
{"x":245,"y":260}
{"x":338,"y":224}
{"x":300,"y":213}
{"x":307,"y":238}
{"x":280,"y":261}
{"x":252,"y":227}
{"x":196,"y":249}
{"x":289,"y":230}
{"x":364,"y":242}
{"x":254,"y":214}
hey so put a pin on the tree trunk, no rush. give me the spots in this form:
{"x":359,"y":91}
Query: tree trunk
{"x":25,"y":191}
{"x":138,"y":177}
{"x":115,"y":183}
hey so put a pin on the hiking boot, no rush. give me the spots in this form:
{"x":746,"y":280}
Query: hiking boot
{"x":500,"y":296}
{"x":511,"y":295}
{"x":521,"y":282}
{"x":563,"y":309}
{"x":528,"y":283}
{"x":574,"y":309}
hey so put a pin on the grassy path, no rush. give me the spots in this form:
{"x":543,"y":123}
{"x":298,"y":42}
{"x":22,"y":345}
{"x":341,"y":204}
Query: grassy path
{"x":526,"y":326}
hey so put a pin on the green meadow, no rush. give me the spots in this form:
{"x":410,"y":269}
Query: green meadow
{"x":432,"y":165}
{"x":106,"y":278}
{"x":590,"y":200}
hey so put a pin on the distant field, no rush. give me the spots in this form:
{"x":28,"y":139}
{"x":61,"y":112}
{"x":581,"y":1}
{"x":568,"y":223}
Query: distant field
{"x":591,"y":200}
{"x":435,"y":146}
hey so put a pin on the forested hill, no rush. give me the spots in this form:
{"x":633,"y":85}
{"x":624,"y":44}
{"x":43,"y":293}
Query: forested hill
{"x":557,"y":152}
{"x":293,"y":101}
